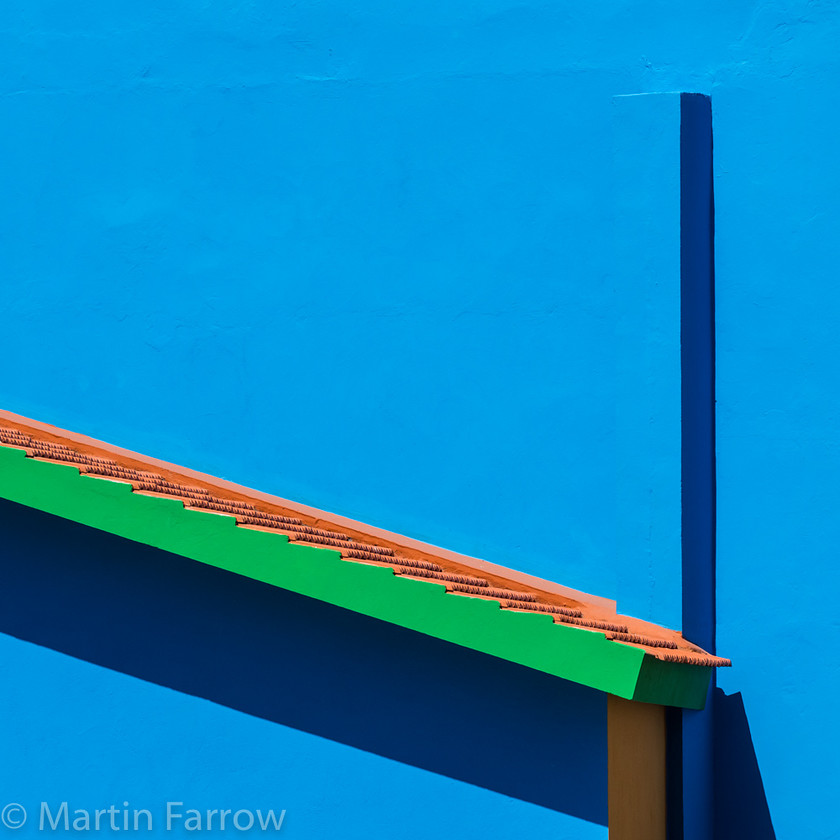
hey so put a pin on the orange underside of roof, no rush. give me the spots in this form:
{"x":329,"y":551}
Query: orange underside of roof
{"x":357,"y":543}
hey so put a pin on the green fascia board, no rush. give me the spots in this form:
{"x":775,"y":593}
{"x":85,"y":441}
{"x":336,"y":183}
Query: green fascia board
{"x":529,"y":639}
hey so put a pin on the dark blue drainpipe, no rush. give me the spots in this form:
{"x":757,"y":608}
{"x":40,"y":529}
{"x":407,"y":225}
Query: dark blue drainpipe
{"x":691,"y":759}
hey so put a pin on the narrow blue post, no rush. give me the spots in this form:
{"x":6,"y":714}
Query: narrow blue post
{"x":697,"y":320}
{"x":698,"y":370}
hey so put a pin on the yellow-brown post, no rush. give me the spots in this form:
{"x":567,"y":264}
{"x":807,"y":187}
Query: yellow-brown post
{"x":636,"y":760}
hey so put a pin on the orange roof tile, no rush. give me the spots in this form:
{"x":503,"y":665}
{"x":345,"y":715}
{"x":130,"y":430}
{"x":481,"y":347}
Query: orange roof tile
{"x":356,"y":542}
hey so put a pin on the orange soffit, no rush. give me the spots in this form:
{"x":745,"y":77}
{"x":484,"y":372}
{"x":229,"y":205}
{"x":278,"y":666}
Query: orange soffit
{"x":357,"y":543}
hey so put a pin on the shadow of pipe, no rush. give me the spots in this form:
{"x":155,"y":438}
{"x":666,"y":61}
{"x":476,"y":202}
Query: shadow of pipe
{"x":741,"y":808}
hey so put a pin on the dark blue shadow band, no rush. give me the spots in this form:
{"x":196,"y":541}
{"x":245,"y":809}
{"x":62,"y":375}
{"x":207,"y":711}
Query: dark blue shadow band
{"x":302,"y":663}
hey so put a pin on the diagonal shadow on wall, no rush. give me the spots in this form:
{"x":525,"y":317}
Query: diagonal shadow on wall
{"x":303,"y":663}
{"x":741,"y":808}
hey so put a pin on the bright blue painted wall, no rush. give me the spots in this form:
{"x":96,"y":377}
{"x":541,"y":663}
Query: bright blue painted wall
{"x":645,"y":396}
{"x":365,"y":257}
{"x":778,"y":406}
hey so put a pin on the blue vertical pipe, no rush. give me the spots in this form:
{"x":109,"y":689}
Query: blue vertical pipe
{"x":697,"y":361}
{"x":697,"y":332}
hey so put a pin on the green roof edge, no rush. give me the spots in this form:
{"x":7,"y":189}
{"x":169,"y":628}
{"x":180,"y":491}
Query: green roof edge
{"x":529,"y":639}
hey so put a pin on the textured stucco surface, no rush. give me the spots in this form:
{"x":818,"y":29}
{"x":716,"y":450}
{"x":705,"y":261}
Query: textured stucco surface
{"x":364,"y":256}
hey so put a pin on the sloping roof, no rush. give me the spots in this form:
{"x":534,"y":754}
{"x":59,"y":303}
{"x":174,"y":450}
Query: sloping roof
{"x":477,"y":605}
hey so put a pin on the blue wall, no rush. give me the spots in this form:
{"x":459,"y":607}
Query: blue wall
{"x":368,"y":257}
{"x":778,"y":404}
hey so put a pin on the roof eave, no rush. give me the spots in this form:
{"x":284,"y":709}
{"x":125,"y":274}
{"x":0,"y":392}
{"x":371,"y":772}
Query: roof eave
{"x":581,"y":655}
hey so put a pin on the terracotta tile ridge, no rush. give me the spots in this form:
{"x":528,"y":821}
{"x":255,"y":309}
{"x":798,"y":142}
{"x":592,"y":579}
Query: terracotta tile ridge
{"x":407,"y":546}
{"x":462,"y":576}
